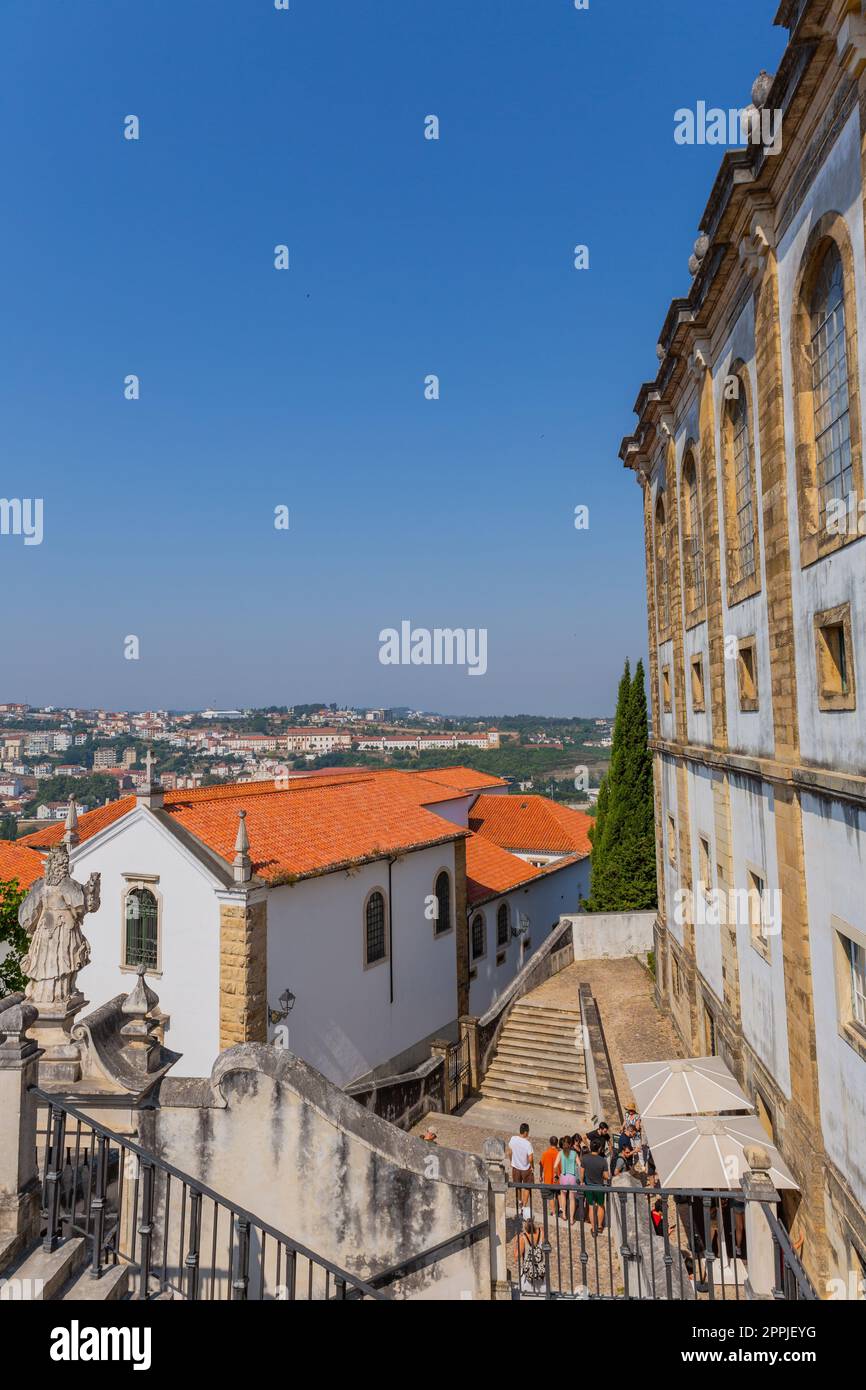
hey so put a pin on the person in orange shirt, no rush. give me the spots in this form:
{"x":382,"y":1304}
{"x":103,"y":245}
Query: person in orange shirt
{"x":548,"y":1166}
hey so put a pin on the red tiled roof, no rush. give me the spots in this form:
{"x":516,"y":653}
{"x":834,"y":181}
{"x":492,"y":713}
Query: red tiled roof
{"x":491,"y":870}
{"x":531,"y":823}
{"x":461,"y":778}
{"x":18,"y":861}
{"x":311,"y":829}
{"x":88,"y":824}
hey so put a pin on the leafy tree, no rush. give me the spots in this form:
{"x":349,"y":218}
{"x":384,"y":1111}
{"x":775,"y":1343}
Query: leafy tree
{"x":8,"y":827}
{"x":623,"y":837}
{"x":13,"y":937}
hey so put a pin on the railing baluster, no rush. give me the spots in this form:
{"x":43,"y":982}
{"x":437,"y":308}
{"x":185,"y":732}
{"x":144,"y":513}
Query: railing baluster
{"x":97,"y":1208}
{"x":240,"y":1283}
{"x":145,"y":1230}
{"x":57,"y":1126}
{"x":192,"y":1254}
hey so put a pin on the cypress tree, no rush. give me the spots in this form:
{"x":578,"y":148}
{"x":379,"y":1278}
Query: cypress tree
{"x":623,"y":838}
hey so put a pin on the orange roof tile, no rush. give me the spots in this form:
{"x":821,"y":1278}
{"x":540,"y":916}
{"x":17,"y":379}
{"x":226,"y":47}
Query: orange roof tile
{"x":20,"y":862}
{"x":531,"y":823}
{"x":88,"y":824}
{"x":461,"y":778}
{"x":311,"y":829}
{"x":491,"y":870}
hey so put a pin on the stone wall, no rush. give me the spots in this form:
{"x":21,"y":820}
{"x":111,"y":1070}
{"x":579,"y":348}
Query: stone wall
{"x":403,"y":1100}
{"x":273,"y":1135}
{"x":611,"y":935}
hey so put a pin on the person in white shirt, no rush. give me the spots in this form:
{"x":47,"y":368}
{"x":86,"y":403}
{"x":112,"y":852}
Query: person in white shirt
{"x":521,"y":1158}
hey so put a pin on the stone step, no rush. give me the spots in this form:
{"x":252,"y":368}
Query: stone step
{"x":535,"y":1052}
{"x":502,"y":1070}
{"x":541,"y":1029}
{"x":543,"y":1097}
{"x":545,"y":1011}
{"x":536,"y":1019}
{"x":43,"y":1274}
{"x":111,"y":1288}
{"x":553,"y":1037}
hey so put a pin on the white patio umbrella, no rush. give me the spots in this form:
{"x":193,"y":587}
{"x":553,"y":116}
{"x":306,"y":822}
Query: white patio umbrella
{"x":708,"y":1151}
{"x":685,"y":1086}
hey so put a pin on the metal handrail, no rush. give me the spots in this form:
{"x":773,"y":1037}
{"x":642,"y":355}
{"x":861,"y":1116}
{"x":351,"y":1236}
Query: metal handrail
{"x":150,"y":1161}
{"x":791,"y":1261}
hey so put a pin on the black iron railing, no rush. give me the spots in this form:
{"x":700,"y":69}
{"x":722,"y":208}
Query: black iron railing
{"x":639,"y":1243}
{"x":178,"y":1238}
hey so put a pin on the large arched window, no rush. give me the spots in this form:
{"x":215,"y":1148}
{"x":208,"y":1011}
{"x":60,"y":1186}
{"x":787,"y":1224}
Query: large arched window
{"x":663,"y":604}
{"x":478,"y":936}
{"x":141,"y":916}
{"x":741,"y":489}
{"x":693,"y":549}
{"x":443,"y":899}
{"x":828,"y":355}
{"x":375,"y":930}
{"x":502,"y":925}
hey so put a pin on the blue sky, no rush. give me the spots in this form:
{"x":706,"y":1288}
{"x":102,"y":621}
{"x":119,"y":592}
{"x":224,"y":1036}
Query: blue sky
{"x":305,"y":388}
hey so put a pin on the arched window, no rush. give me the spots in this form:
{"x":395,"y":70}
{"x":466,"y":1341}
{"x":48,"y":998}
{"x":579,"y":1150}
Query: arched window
{"x":692,"y":537}
{"x":828,"y":354}
{"x":479,"y":935}
{"x":443,"y":898}
{"x":502,"y":925}
{"x":741,"y":464}
{"x":141,"y":915}
{"x":663,"y":607}
{"x":375,"y":938}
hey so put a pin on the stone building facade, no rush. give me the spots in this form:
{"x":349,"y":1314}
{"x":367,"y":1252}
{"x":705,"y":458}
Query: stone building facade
{"x":748,"y":449}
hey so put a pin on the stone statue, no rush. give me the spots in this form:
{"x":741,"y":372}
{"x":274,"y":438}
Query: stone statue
{"x":52,"y":914}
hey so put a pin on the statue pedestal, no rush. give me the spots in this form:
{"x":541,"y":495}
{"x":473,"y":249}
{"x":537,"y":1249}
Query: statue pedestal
{"x":61,"y":1058}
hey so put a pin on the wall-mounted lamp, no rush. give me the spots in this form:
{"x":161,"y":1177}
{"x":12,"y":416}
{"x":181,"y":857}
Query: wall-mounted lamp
{"x":286,"y":1002}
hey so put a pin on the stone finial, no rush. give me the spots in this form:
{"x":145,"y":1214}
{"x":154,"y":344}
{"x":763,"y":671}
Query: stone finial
{"x":151,"y":794}
{"x":243,"y":870}
{"x":757,"y":1158}
{"x":660,"y":351}
{"x":699,"y":251}
{"x":70,"y":833}
{"x":761,"y":88}
{"x":138,"y":1033}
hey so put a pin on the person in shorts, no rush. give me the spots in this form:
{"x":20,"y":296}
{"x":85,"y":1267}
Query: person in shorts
{"x":595,"y":1174}
{"x":522,"y":1161}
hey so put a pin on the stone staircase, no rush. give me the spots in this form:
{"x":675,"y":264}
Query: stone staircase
{"x":540,"y":1061}
{"x":62,"y":1274}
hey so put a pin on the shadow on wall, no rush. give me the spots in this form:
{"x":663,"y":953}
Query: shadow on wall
{"x":273,"y":1135}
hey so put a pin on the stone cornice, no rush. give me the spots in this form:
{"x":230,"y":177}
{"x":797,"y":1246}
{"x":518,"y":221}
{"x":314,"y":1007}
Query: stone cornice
{"x":822,"y":781}
{"x":738,"y":222}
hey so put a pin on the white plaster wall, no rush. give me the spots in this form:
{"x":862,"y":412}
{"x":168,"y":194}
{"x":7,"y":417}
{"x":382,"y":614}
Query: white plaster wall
{"x":749,"y":731}
{"x":834,"y":843}
{"x":456,"y":811}
{"x":829,"y":738}
{"x":708,"y":941}
{"x":344,"y":1022}
{"x":667,"y":720}
{"x":543,"y":902}
{"x":188,"y":986}
{"x":762,"y":983}
{"x":699,"y":725}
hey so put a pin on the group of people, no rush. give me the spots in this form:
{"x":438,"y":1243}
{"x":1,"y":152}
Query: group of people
{"x":580,"y":1166}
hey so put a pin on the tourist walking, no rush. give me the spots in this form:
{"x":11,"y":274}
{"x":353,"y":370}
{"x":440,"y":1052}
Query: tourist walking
{"x":567,"y":1165}
{"x":530,"y":1259}
{"x":547,"y":1166}
{"x":595,"y":1173}
{"x":522,"y":1161}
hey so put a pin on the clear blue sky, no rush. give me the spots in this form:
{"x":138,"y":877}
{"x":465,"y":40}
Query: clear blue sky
{"x":305,"y":387}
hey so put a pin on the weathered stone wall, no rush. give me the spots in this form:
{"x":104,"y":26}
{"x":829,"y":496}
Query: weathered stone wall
{"x":611,"y":935}
{"x":273,"y":1135}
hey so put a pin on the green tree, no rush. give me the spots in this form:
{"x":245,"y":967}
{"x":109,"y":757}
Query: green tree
{"x":623,"y":837}
{"x":13,"y":937}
